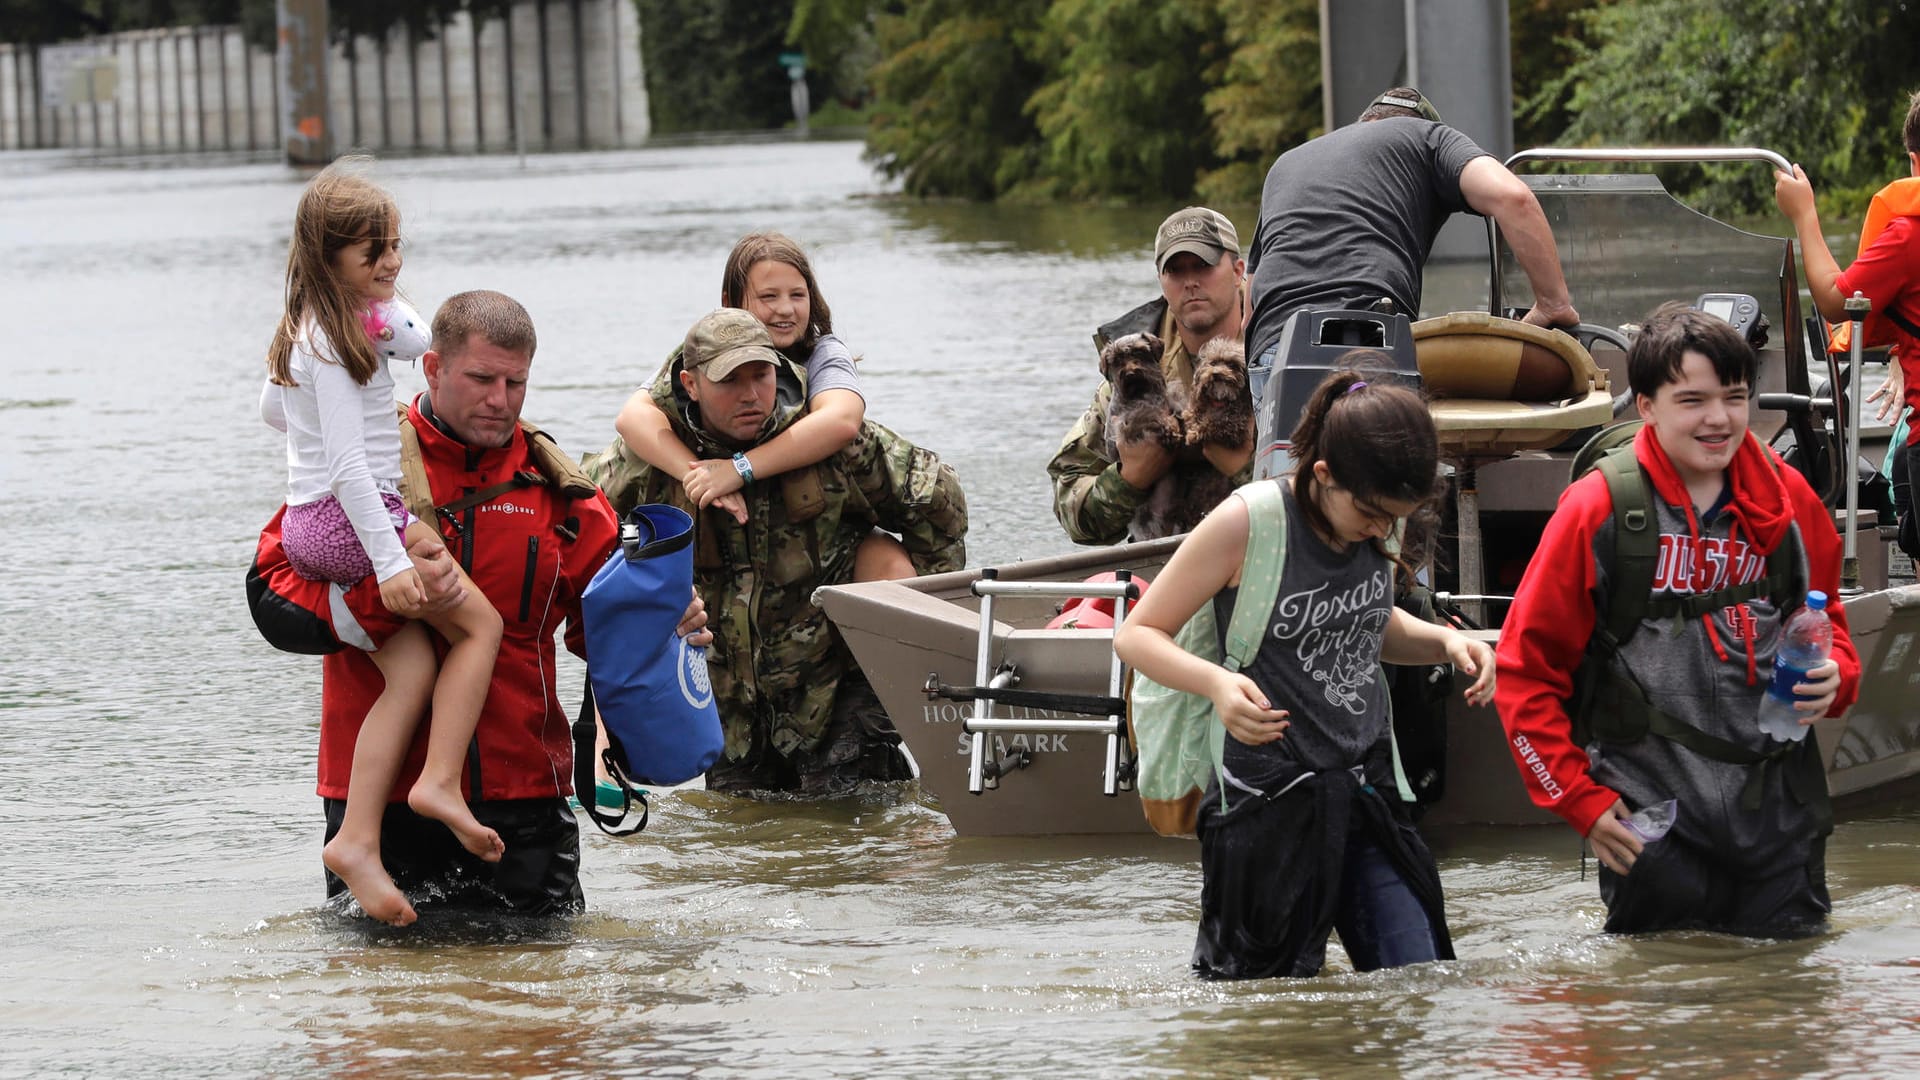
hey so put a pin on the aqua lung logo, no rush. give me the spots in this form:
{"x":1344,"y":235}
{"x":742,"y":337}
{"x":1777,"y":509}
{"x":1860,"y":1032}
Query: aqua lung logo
{"x":695,"y":686}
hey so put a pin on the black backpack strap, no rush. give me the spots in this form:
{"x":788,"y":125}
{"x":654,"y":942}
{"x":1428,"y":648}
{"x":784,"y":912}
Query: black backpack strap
{"x":1636,"y":553}
{"x":551,"y":467}
{"x":1786,"y":577}
{"x":1631,"y":716}
{"x":568,"y":527}
{"x":1675,"y":730}
{"x":584,"y":784}
{"x":525,"y":478}
{"x":1636,"y":543}
{"x":1778,"y":582}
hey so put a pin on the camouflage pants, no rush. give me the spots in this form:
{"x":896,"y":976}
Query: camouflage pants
{"x":860,"y":744}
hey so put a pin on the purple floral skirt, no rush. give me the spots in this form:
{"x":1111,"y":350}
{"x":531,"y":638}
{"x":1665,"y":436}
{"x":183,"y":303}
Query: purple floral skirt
{"x":321,"y":544}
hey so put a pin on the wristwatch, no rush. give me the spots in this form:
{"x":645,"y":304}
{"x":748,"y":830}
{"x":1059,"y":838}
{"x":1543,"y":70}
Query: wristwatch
{"x":744,"y":467}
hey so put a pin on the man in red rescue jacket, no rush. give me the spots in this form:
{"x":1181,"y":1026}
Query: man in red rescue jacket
{"x":1604,"y":723}
{"x":531,"y":547}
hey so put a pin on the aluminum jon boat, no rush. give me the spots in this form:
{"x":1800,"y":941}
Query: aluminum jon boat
{"x":1019,"y":730}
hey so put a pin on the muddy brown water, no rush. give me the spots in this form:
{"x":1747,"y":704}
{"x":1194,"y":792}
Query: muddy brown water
{"x":159,"y":836}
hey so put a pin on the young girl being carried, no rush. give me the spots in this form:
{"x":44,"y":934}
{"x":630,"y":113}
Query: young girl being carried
{"x":1312,"y":838}
{"x":330,"y":390}
{"x":770,"y":276}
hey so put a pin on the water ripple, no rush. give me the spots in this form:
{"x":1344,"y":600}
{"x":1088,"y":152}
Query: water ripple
{"x":159,"y":840}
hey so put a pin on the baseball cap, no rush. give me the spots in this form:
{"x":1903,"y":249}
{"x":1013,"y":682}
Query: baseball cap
{"x":1416,"y":103}
{"x":724,"y":339}
{"x":1206,"y":233}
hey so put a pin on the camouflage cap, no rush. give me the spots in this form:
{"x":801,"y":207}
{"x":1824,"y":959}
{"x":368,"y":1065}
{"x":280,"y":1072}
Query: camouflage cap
{"x":1206,"y":233}
{"x":724,"y":339}
{"x":1406,"y":97}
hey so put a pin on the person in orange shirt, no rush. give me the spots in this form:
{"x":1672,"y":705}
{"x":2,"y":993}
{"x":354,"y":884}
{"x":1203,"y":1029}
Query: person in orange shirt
{"x":1887,"y":272}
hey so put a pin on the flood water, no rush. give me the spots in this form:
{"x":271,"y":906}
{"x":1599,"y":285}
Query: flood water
{"x":159,"y":835}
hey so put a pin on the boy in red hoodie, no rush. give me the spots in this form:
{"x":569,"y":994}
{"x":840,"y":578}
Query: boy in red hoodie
{"x":1670,"y":706}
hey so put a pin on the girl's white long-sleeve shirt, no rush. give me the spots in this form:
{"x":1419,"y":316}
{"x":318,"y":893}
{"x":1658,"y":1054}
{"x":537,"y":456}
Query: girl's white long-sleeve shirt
{"x":343,"y":439}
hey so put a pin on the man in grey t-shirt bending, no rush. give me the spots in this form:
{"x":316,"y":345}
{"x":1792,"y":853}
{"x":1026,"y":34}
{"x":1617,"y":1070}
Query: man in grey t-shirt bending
{"x":1349,"y":218}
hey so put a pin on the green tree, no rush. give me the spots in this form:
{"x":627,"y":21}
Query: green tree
{"x":34,"y":22}
{"x":1813,"y":80}
{"x":348,"y":19}
{"x":949,"y":113}
{"x":713,"y":65}
{"x":1122,"y":116}
{"x":1544,"y":39}
{"x":837,"y":37}
{"x":1127,"y":99}
{"x":1108,"y":99}
{"x":1267,"y":97}
{"x":39,"y":21}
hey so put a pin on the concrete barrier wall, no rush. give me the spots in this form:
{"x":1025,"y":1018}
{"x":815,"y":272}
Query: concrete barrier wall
{"x":555,"y":75}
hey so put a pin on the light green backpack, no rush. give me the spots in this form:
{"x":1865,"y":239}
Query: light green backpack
{"x":1177,"y":739}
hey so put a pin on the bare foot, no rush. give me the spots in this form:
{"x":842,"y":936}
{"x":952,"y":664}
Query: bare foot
{"x":448,"y":808}
{"x":367,"y":879}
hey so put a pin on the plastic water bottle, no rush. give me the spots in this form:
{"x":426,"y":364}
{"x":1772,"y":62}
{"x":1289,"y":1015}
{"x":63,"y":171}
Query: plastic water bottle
{"x":1806,"y":642}
{"x":1650,"y":823}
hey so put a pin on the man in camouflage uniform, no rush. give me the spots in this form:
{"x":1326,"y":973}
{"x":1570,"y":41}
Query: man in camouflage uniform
{"x":792,"y":721}
{"x":1202,"y":297}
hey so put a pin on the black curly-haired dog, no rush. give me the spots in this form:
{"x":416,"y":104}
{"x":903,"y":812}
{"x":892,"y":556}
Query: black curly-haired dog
{"x":1142,"y":408}
{"x":1145,"y":407}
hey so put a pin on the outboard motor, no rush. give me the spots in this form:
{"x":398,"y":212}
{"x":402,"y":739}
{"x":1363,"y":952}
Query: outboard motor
{"x":1311,"y":345}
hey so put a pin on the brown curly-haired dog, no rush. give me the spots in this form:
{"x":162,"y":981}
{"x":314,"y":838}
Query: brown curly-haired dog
{"x":1143,"y":407}
{"x":1220,"y":409}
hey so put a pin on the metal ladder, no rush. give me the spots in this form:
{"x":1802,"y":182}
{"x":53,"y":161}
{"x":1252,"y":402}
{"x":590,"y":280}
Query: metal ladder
{"x":998,"y":685}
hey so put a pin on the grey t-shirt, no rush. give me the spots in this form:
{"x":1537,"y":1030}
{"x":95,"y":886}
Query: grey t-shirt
{"x":830,"y":367}
{"x":1319,"y":660}
{"x":1350,"y":217}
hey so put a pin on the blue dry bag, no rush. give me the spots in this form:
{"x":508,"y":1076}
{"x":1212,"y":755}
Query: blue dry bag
{"x":652,"y":687}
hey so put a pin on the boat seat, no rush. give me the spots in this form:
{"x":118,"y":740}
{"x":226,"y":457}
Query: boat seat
{"x":1498,"y":386}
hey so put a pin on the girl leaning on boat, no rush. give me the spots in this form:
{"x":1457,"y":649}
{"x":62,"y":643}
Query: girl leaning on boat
{"x":1307,"y":836}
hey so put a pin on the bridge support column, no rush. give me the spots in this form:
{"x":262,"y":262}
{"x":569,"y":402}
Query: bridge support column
{"x":304,"y":127}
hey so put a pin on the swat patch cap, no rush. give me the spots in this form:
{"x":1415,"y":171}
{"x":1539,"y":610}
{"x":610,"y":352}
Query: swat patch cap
{"x":1206,"y":233}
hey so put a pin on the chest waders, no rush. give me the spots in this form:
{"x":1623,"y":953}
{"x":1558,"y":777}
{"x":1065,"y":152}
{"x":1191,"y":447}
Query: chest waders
{"x":1610,"y":704}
